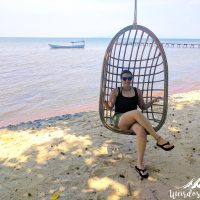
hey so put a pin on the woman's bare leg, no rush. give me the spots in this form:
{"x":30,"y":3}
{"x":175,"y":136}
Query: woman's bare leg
{"x":141,"y":140}
{"x":128,"y":118}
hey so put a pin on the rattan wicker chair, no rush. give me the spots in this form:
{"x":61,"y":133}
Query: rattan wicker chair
{"x":137,"y":49}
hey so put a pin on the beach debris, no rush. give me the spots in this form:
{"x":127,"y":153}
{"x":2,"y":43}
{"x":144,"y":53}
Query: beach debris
{"x":118,"y":156}
{"x":110,"y":162}
{"x":11,"y":127}
{"x":55,"y":196}
{"x":62,"y":153}
{"x":121,"y":176}
{"x":154,"y":169}
{"x":100,"y":197}
{"x":154,"y":194}
{"x":41,"y":123}
{"x":29,"y":194}
{"x":113,"y":150}
{"x":129,"y":190}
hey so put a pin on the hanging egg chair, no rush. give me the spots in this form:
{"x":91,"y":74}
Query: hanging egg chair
{"x":137,"y":49}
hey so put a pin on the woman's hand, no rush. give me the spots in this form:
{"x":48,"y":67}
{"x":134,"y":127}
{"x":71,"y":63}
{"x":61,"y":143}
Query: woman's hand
{"x":112,"y":99}
{"x":105,"y":104}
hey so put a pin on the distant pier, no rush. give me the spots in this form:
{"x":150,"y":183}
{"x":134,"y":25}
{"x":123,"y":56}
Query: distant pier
{"x":180,"y":45}
{"x":166,"y":44}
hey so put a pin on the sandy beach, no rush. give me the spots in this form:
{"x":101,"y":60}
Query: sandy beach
{"x":76,"y":158}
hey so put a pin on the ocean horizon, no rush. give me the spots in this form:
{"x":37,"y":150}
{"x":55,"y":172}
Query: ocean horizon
{"x":39,"y":82}
{"x":88,"y":39}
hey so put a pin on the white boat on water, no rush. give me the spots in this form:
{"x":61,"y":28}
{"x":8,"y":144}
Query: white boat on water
{"x":73,"y":45}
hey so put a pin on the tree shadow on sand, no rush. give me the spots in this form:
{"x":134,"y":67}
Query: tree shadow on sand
{"x":78,"y":158}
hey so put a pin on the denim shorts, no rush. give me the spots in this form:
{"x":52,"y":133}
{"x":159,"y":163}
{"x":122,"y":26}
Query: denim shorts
{"x":116,"y":118}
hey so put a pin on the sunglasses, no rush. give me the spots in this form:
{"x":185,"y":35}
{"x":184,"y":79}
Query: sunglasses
{"x":127,"y":78}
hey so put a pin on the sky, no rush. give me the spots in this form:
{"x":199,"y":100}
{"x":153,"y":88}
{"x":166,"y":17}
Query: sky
{"x":97,"y":18}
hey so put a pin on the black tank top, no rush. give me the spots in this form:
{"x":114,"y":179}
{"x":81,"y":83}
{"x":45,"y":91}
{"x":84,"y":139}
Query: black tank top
{"x":125,"y":104}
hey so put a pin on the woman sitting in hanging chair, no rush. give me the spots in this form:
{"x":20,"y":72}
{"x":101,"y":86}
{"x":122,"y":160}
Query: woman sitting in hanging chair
{"x":127,"y":117}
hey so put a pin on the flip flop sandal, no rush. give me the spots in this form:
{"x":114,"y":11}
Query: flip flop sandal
{"x":162,"y":146}
{"x":142,"y":170}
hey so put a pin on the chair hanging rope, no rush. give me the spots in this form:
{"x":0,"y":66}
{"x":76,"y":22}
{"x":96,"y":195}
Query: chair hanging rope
{"x":135,"y":14}
{"x":137,"y":49}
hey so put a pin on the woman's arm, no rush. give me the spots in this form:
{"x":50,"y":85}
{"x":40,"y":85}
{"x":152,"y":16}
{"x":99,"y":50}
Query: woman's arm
{"x":112,"y":99}
{"x":142,"y":104}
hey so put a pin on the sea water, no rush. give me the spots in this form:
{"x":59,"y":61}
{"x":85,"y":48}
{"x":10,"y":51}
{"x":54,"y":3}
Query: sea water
{"x":39,"y":82}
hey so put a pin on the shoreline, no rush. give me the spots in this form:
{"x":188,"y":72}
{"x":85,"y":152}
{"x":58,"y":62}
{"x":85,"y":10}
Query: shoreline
{"x":77,"y":158}
{"x":38,"y":122}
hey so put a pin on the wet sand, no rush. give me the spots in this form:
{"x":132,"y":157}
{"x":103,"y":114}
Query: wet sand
{"x":74,"y":157}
